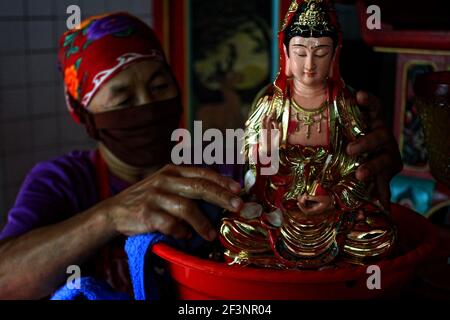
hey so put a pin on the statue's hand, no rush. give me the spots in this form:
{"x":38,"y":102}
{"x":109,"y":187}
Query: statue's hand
{"x":270,"y":125}
{"x":315,"y":204}
{"x":385,"y":160}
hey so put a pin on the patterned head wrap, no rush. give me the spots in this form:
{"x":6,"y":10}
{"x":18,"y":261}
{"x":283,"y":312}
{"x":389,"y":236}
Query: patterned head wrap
{"x":98,"y":50}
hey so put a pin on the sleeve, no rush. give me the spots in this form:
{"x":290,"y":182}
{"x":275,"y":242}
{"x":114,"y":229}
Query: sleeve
{"x":47,"y":196}
{"x":349,"y":193}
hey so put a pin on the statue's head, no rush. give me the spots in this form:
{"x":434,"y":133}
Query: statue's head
{"x":310,"y":42}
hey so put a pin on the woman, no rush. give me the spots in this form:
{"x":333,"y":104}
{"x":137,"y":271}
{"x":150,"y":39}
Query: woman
{"x":71,"y":208}
{"x":120,"y":87}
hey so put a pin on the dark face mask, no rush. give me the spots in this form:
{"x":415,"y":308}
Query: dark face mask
{"x":139,"y":136}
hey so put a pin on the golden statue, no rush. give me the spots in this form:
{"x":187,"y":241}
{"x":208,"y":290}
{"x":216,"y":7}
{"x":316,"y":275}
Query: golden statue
{"x":311,"y":211}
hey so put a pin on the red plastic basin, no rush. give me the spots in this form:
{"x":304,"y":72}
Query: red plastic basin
{"x":204,"y":279}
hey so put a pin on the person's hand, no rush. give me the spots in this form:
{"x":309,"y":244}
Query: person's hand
{"x":315,"y":204}
{"x":164,"y":202}
{"x":385,"y":160}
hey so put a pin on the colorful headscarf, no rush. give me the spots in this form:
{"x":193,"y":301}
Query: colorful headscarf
{"x":100,"y":48}
{"x":328,"y":17}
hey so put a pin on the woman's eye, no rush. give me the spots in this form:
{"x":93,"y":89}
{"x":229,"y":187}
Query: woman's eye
{"x":303,"y":55}
{"x":159,"y":87}
{"x":125,"y":102}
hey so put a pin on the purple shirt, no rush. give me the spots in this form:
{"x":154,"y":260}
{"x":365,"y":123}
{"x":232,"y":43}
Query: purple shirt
{"x":54,"y":191}
{"x":58,"y":189}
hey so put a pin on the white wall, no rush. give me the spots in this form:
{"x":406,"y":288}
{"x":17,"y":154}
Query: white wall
{"x":34,"y":122}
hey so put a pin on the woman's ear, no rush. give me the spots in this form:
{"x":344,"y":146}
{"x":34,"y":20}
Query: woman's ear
{"x":287,"y":70}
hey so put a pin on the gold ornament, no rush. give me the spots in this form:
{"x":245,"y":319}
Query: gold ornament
{"x":306,"y":241}
{"x":308,"y":117}
{"x":314,"y":18}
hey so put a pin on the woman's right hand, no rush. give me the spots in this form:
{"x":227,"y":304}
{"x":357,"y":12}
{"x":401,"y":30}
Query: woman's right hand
{"x":164,"y":202}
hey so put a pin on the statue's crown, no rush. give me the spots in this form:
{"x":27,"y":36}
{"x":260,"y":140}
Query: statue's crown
{"x":313,"y":16}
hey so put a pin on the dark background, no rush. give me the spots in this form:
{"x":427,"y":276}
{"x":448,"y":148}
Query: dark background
{"x":34,"y":123}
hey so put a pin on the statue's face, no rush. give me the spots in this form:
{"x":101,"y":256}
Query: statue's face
{"x":309,"y":60}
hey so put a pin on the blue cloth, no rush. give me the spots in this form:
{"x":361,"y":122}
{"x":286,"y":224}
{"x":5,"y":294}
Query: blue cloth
{"x":413,"y":192}
{"x":145,"y":267}
{"x":90,"y":289}
{"x":142,"y":272}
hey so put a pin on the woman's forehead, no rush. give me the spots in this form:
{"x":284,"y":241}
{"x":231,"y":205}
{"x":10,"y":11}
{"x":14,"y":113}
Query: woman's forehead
{"x":142,"y":69}
{"x":311,"y":42}
{"x":146,"y":66}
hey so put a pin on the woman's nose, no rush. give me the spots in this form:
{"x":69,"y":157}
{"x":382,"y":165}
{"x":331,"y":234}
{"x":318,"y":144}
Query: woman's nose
{"x":143,"y":95}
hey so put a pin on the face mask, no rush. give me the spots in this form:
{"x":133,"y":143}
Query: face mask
{"x":139,"y":136}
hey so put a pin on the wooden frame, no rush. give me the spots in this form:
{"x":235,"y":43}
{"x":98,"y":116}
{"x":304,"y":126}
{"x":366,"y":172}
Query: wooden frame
{"x":172,"y":21}
{"x":405,"y":62}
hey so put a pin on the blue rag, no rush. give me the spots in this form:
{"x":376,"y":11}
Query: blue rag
{"x":89,"y":289}
{"x":145,"y":268}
